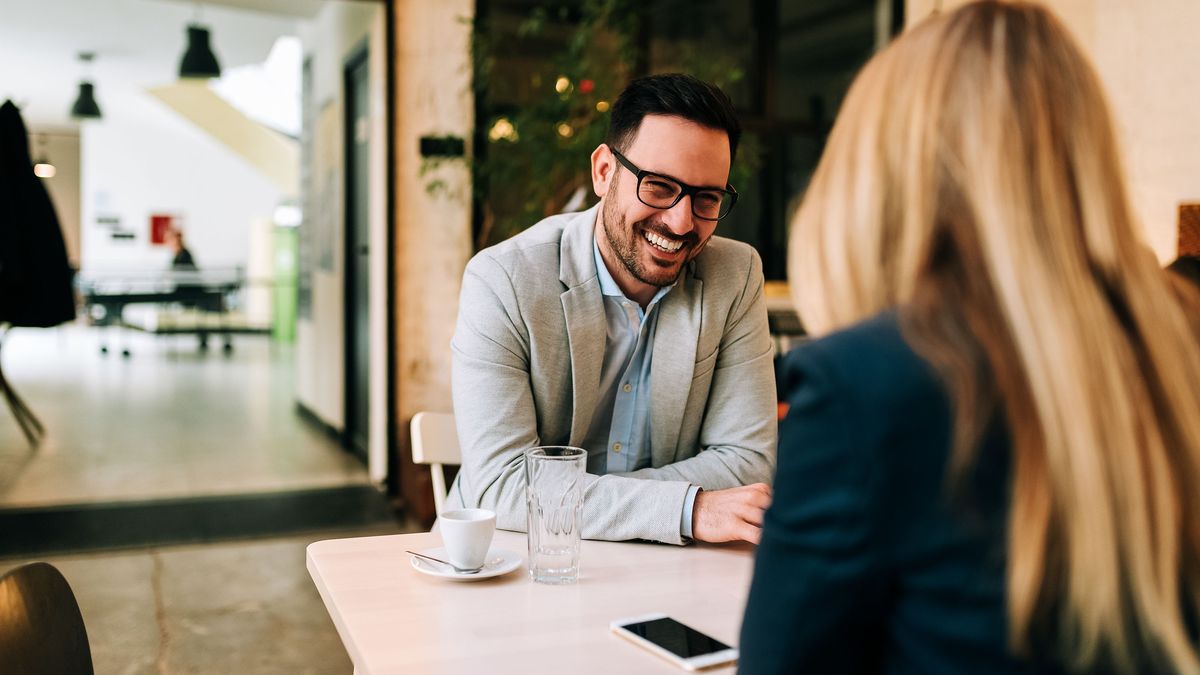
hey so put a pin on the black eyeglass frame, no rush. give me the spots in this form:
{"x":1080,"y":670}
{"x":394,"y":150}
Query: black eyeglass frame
{"x":685,"y":190}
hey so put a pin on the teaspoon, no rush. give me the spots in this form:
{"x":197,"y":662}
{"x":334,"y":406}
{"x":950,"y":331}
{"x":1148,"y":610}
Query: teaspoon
{"x":457,"y":569}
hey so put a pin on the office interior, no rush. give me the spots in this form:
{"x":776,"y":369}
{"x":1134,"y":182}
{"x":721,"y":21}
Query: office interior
{"x":331,"y":183}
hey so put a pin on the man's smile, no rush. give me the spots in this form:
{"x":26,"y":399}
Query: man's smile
{"x":662,"y":243}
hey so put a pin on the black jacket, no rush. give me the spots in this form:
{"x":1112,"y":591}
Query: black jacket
{"x":865,"y":565}
{"x":35,"y":275}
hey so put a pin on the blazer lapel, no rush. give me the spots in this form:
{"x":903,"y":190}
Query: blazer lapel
{"x":672,"y":364}
{"x":583,"y":308}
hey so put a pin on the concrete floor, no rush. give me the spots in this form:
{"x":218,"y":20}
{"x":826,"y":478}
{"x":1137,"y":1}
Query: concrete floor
{"x":245,"y":607}
{"x":171,"y":422}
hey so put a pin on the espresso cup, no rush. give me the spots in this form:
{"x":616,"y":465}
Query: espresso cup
{"x":467,"y":535}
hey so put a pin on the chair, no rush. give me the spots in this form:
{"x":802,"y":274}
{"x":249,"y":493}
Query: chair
{"x":435,"y":442}
{"x":41,"y":629}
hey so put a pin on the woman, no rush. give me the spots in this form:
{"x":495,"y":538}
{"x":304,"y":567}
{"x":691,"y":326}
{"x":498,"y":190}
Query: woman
{"x":991,"y":463}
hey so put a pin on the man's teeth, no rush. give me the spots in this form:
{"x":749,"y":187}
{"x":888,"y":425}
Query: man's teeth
{"x":663,"y":243}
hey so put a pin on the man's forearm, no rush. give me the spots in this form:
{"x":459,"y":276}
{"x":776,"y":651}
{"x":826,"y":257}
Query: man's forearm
{"x":716,"y":468}
{"x":614,"y":508}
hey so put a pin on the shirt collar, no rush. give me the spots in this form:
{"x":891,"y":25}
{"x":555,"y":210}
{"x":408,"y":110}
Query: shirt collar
{"x":608,"y":285}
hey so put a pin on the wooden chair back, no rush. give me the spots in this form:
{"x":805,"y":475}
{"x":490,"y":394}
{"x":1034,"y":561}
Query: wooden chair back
{"x":435,"y":442}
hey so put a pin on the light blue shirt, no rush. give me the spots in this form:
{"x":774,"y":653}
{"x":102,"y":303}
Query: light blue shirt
{"x":618,"y":440}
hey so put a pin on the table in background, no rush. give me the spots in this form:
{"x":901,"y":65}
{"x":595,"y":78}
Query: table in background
{"x":394,"y":619}
{"x":201,"y":302}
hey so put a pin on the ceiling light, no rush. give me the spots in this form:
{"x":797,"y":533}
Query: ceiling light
{"x":42,"y":168}
{"x":288,"y":215}
{"x":199,"y":61}
{"x":85,"y":106}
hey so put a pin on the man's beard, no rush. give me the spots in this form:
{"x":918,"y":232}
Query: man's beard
{"x":623,"y":240}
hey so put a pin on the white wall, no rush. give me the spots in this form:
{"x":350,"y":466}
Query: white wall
{"x":62,"y":149}
{"x":142,"y":158}
{"x":380,"y":415}
{"x":329,"y":39}
{"x":1146,"y":55}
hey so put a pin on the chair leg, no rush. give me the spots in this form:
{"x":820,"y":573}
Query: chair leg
{"x":30,"y":425}
{"x":438,"y":475}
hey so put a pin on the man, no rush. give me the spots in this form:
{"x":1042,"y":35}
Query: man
{"x":182,"y":257}
{"x":630,"y":331}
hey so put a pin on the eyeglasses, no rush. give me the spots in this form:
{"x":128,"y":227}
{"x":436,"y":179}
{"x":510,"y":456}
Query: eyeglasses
{"x":662,"y":192}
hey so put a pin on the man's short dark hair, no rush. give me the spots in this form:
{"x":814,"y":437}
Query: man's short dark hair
{"x":672,"y":94}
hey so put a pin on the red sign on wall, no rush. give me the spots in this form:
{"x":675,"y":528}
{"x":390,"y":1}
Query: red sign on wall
{"x":160,"y":224}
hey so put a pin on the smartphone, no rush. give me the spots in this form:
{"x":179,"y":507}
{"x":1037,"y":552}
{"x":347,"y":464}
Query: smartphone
{"x":680,"y":644}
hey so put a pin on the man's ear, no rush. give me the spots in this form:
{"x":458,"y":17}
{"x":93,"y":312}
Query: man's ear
{"x":603,"y":167}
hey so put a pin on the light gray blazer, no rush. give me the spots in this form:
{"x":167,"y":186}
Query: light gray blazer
{"x":527,"y":354}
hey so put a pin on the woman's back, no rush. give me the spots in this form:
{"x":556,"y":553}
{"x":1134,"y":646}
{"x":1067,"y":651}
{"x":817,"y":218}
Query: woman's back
{"x":972,"y":183}
{"x":871,"y":562}
{"x":868,"y":563}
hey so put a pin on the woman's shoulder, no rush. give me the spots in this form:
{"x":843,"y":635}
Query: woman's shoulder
{"x":870,"y":362}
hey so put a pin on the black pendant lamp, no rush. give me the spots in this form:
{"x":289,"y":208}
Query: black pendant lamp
{"x":85,"y":106}
{"x":199,"y":61}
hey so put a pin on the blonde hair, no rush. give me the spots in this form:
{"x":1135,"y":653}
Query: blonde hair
{"x":973,"y":181}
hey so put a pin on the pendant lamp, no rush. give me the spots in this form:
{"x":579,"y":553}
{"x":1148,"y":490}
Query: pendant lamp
{"x":199,"y":61}
{"x":42,"y":167}
{"x":85,"y":106}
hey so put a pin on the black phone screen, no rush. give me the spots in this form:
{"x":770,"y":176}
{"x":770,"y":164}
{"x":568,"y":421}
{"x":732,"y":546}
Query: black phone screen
{"x":683,"y":641}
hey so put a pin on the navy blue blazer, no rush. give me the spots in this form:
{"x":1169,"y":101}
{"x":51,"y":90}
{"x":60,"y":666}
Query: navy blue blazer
{"x":866,"y":565}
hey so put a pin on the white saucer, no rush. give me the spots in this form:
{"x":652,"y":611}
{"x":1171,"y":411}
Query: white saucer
{"x":499,"y":561}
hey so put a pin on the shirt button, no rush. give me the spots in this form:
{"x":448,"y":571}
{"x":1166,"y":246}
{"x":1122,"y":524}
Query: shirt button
{"x":616,"y":447}
{"x":628,"y":388}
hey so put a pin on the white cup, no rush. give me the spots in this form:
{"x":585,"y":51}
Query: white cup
{"x":467,"y":535}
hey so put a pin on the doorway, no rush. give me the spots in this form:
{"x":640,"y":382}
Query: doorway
{"x":358,"y":252}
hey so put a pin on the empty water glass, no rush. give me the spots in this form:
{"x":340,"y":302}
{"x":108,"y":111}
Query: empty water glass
{"x":554,"y":501}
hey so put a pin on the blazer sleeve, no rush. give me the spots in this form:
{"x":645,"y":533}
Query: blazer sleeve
{"x":496,"y":421}
{"x":493,"y":402}
{"x":819,"y":584}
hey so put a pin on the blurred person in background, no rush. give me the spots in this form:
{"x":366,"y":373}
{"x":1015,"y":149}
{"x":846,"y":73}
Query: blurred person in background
{"x":991,"y":462}
{"x":182,"y":257}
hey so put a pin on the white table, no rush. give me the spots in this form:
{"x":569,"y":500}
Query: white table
{"x":393,"y":619}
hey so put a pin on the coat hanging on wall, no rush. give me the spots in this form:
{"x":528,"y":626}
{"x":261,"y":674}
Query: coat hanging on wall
{"x":35,"y":274}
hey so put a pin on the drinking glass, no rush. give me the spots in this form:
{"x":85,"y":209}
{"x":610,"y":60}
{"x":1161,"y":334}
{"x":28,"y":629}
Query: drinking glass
{"x":554,"y":500}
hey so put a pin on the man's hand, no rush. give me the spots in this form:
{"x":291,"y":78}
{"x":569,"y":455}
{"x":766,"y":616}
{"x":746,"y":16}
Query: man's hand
{"x":729,"y":515}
